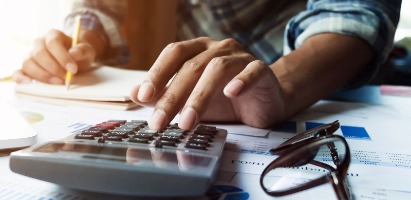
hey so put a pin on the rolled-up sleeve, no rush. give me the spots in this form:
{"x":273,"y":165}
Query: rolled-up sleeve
{"x":105,"y":17}
{"x":374,"y":21}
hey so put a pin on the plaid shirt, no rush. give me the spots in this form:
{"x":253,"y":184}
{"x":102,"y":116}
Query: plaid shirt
{"x":267,"y":29}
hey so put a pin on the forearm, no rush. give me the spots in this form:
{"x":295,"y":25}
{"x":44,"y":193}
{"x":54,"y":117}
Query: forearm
{"x":323,"y":64}
{"x":320,"y":63}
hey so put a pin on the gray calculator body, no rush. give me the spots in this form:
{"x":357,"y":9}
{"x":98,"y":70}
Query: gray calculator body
{"x":122,"y":167}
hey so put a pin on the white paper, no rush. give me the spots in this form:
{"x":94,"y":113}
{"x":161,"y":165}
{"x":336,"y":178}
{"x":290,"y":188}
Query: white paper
{"x":101,"y":84}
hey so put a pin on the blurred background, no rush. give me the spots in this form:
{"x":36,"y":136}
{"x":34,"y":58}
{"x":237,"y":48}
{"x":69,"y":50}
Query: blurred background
{"x":22,"y":21}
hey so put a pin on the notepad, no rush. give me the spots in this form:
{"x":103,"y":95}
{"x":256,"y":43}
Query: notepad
{"x":103,"y":86}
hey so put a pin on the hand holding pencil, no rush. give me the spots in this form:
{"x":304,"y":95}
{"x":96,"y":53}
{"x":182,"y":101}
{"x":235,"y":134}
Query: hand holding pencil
{"x":56,"y":57}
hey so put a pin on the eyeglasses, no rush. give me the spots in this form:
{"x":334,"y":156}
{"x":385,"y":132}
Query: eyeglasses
{"x":307,"y":160}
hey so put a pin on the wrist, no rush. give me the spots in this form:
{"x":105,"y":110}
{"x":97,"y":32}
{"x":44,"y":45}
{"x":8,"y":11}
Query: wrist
{"x":323,"y":64}
{"x":286,"y":86}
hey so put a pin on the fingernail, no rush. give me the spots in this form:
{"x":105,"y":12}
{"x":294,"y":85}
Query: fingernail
{"x":146,"y":92}
{"x":56,"y":80}
{"x":157,"y":120}
{"x":233,"y":88}
{"x":71,"y":68}
{"x":188,"y":118}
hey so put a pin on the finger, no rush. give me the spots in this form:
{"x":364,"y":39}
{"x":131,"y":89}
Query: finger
{"x":20,"y":77}
{"x":133,"y":94}
{"x":246,"y":79}
{"x":168,"y":63}
{"x":57,"y":44}
{"x":133,"y":97}
{"x":45,"y":60}
{"x":38,"y":73}
{"x":173,"y":99}
{"x":215,"y":76}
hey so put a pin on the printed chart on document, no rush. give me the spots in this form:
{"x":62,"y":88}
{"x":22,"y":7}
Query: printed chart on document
{"x":380,"y":155}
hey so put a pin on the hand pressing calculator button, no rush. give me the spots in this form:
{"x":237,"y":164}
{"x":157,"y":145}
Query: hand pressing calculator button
{"x":126,"y":157}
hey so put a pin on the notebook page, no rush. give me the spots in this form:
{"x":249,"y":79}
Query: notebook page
{"x":101,"y":84}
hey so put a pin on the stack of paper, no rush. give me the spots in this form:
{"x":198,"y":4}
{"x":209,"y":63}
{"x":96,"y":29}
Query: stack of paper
{"x":104,"y":87}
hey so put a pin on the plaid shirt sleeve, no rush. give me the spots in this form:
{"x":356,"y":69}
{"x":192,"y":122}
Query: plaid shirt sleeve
{"x":93,"y":13}
{"x":374,"y":21}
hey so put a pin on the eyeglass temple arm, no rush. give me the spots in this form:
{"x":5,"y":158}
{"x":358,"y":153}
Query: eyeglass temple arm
{"x":327,"y":128}
{"x":342,"y":190}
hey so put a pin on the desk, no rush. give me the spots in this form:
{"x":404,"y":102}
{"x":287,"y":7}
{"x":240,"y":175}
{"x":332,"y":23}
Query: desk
{"x":372,"y":173}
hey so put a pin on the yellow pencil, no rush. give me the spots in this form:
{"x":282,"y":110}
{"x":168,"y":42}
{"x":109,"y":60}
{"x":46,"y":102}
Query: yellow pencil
{"x":75,"y":39}
{"x":6,"y":79}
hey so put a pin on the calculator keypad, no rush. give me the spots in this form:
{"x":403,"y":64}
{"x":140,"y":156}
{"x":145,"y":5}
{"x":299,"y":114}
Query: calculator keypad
{"x":137,"y":132}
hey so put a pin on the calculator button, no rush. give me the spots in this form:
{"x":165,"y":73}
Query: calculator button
{"x":170,"y":138}
{"x":139,"y":121}
{"x":117,"y":121}
{"x":173,"y":133}
{"x":166,"y":143}
{"x":107,"y":126}
{"x":113,"y":138}
{"x":196,"y":146}
{"x":139,"y":140}
{"x":198,"y":141}
{"x":177,"y":130}
{"x":84,"y":137}
{"x":134,"y":127}
{"x":135,"y":124}
{"x":207,"y":128}
{"x":203,"y":132}
{"x":103,"y":130}
{"x":148,"y":131}
{"x":122,"y":134}
{"x":148,"y":136}
{"x":95,"y":133}
{"x":206,"y":137}
{"x":121,"y":128}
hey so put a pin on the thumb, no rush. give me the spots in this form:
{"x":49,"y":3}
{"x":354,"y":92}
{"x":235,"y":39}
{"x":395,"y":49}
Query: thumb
{"x":246,"y":79}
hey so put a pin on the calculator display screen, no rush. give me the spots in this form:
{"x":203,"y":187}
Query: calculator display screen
{"x":138,"y":156}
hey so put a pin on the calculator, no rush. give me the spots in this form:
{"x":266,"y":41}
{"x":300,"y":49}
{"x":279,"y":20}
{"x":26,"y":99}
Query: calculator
{"x":126,"y":157}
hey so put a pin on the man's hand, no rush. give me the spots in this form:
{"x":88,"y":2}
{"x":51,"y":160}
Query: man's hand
{"x":218,"y":81}
{"x":210,"y":80}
